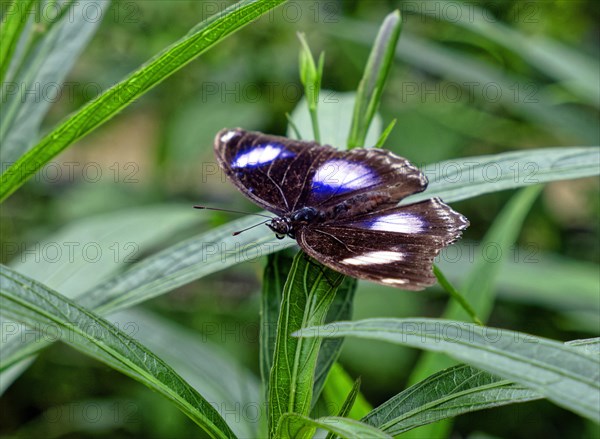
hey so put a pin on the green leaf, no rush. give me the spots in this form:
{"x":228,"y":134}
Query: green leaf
{"x":311,"y":77}
{"x":275,"y":274}
{"x":451,"y":64}
{"x":33,"y":304}
{"x":590,"y":346}
{"x":184,"y":262}
{"x":446,"y":394}
{"x":339,"y":383}
{"x":561,"y":373}
{"x":374,"y":77}
{"x":460,"y":179}
{"x":87,"y":252}
{"x":309,"y":291}
{"x":335,"y":116}
{"x":14,"y":20}
{"x":480,"y":284}
{"x":346,"y":407}
{"x":570,"y":67}
{"x":456,"y":295}
{"x":48,"y":51}
{"x":295,"y":426}
{"x":207,"y":367}
{"x":175,"y":266}
{"x":340,"y":309}
{"x":113,"y":100}
{"x":381,"y":141}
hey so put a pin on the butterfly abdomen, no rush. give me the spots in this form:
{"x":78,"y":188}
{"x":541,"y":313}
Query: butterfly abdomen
{"x":358,"y":204}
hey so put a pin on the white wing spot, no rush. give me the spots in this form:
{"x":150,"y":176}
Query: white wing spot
{"x":228,"y":136}
{"x":392,"y":281}
{"x":257,"y":156}
{"x":374,"y":258}
{"x":398,"y":222}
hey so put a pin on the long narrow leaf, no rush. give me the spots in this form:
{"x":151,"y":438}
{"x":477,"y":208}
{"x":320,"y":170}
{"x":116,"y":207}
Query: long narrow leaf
{"x":307,"y":295}
{"x":165,"y":271}
{"x":340,"y":309}
{"x":216,"y":374}
{"x":347,"y":405}
{"x":563,"y":374}
{"x":88,"y":251}
{"x":339,"y":383}
{"x":27,"y":96}
{"x":446,"y":394}
{"x":460,"y":179}
{"x":33,"y":304}
{"x":109,"y":103}
{"x":376,"y":72}
{"x":454,"y":65}
{"x":275,"y":274}
{"x":293,"y":425}
{"x":15,"y":18}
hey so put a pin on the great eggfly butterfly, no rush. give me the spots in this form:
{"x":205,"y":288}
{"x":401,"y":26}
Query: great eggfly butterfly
{"x":342,"y":206}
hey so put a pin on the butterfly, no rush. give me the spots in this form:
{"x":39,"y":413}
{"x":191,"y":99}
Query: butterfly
{"x":342,"y":206}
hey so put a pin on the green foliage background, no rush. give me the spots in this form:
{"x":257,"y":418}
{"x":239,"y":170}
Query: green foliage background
{"x":155,"y":160}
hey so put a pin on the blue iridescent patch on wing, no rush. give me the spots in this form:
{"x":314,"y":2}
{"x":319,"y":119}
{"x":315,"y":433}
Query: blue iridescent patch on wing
{"x":338,"y":176}
{"x":260,"y":155}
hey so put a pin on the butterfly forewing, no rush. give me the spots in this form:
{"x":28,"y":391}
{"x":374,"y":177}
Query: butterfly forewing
{"x":270,"y":170}
{"x":348,"y":175}
{"x":283,"y":175}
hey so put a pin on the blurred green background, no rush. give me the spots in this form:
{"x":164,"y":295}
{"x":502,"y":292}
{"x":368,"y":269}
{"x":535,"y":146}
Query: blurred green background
{"x":458,"y":89}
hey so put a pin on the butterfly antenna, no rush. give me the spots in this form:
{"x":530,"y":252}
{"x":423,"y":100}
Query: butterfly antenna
{"x":248,"y":228}
{"x":231,"y":211}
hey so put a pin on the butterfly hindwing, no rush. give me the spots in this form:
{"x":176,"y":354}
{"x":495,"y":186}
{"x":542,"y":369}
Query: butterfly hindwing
{"x":392,"y":246}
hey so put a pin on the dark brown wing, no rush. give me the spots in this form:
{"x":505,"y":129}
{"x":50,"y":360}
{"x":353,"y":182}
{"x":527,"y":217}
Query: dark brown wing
{"x":283,"y":175}
{"x":393,"y":246}
{"x":272,"y":171}
{"x":378,"y":174}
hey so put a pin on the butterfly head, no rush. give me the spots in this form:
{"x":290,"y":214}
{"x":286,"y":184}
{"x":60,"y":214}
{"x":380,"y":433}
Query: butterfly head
{"x":282,"y":227}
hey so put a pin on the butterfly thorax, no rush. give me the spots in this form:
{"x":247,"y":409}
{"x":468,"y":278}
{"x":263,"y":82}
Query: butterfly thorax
{"x":286,"y":225}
